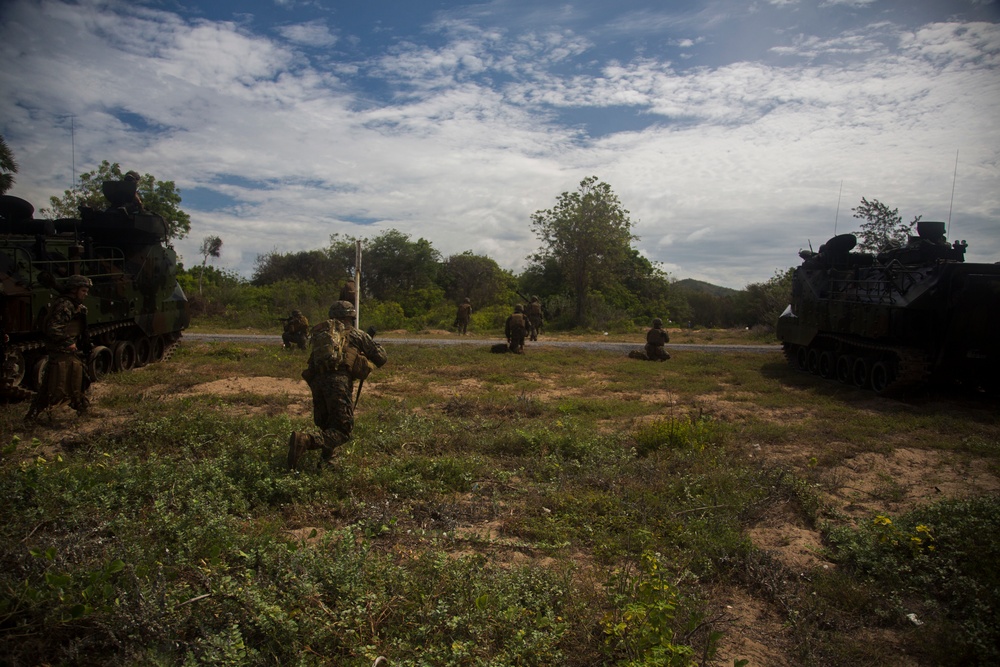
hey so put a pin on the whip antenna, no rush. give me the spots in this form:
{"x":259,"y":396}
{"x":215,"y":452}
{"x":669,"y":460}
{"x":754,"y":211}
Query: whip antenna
{"x":953,"y":179}
{"x":837,"y":216}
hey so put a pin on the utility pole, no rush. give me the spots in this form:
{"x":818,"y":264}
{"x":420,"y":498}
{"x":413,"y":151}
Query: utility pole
{"x":357,"y":284}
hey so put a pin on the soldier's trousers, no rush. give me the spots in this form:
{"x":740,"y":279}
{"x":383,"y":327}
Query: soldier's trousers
{"x":656,"y":352}
{"x":62,"y":382}
{"x":333,"y":409}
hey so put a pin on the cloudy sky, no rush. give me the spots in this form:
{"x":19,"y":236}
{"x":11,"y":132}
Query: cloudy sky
{"x":735,"y":131}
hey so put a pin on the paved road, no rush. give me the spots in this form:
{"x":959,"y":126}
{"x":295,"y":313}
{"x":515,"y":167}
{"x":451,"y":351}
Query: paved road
{"x":486,"y":342}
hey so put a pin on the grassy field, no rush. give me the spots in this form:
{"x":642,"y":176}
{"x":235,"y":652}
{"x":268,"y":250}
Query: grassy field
{"x":564,"y":507}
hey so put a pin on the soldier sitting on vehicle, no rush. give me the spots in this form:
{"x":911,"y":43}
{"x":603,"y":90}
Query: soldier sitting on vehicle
{"x":296,"y":330}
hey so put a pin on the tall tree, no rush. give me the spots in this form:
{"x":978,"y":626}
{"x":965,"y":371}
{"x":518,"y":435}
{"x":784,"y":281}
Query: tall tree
{"x":8,"y":166}
{"x":588,"y":234}
{"x":159,"y":197}
{"x":475,"y":276}
{"x":318,"y":266}
{"x":393,"y":266}
{"x":211,"y":246}
{"x":883,"y":227}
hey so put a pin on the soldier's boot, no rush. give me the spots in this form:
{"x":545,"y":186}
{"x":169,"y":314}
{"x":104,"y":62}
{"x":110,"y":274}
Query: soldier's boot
{"x":299,"y":444}
{"x":330,"y":441}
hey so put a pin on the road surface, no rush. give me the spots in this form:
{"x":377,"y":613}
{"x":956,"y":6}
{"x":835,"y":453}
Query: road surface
{"x":486,"y":342}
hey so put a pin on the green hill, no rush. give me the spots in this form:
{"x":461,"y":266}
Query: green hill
{"x":700,"y":286}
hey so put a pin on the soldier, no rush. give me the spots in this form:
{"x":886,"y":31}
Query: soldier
{"x":349,"y":292}
{"x":515,"y":329}
{"x":463,"y":315}
{"x":136,"y":205}
{"x":340,"y":354}
{"x":656,"y":338}
{"x":534,"y":315}
{"x":296,"y":330}
{"x":64,"y":327}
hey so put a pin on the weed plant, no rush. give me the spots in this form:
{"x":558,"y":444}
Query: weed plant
{"x":564,"y":507}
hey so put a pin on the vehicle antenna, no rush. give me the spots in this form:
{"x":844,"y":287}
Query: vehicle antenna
{"x":953,"y":179}
{"x":837,"y":216}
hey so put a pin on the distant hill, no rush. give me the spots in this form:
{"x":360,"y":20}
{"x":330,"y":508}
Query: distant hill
{"x":700,"y":286}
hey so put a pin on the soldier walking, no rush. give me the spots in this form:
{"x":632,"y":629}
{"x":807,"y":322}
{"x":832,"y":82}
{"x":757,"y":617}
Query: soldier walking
{"x":534,"y":315}
{"x":463,"y":316}
{"x":340,"y":354}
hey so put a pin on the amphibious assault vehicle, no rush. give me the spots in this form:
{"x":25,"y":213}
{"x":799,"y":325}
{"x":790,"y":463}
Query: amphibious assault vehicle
{"x":892,"y":321}
{"x":135,"y":311}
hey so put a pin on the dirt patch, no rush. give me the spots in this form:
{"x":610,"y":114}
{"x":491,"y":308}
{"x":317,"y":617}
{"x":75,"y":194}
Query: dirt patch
{"x":754,"y":631}
{"x":264,"y":386}
{"x":906,"y":478}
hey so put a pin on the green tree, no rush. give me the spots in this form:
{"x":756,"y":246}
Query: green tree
{"x":765,"y":301}
{"x":158,"y":197}
{"x":394,"y":268}
{"x":883,"y":227}
{"x":475,"y":276}
{"x":8,"y":166}
{"x":318,"y":266}
{"x":211,"y":246}
{"x":588,"y":235}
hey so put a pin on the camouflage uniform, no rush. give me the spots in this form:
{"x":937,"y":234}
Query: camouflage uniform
{"x":656,"y":338}
{"x":534,"y":315}
{"x":64,"y":328}
{"x":296,"y":330}
{"x":332,"y":392}
{"x":349,"y":292}
{"x":515,"y":329}
{"x":463,"y":315}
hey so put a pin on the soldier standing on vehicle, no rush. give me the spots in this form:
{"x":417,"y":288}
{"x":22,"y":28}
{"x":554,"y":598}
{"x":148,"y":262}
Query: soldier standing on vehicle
{"x":656,"y":338}
{"x":339,"y":355}
{"x":64,"y":328}
{"x":534,"y":315}
{"x":515,"y":329}
{"x":296,"y":330}
{"x":463,"y":315}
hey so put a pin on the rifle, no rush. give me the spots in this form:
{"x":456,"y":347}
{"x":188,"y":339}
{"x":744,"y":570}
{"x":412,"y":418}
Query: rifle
{"x":371,"y":332}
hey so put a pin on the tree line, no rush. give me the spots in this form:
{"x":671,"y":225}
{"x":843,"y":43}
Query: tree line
{"x":586,"y":272}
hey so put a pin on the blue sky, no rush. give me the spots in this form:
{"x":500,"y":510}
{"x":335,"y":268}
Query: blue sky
{"x":735,"y":131}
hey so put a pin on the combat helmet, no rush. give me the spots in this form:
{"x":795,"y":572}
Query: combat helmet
{"x":534,"y":298}
{"x":518,"y":308}
{"x":657,"y":323}
{"x":342,"y":310}
{"x":132,"y":176}
{"x":76,"y":282}
{"x":296,"y":313}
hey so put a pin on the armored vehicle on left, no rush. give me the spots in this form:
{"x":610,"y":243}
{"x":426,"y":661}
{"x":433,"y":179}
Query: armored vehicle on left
{"x":136,"y":310}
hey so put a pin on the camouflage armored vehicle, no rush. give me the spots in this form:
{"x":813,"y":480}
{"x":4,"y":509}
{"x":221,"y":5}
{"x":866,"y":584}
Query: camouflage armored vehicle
{"x":135,"y":311}
{"x":908,"y":316}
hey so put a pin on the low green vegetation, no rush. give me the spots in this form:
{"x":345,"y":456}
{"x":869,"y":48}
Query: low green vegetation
{"x":565,"y":507}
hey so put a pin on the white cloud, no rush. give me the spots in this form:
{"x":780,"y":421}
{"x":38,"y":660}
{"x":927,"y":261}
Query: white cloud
{"x":739,"y":167}
{"x":313,"y":33}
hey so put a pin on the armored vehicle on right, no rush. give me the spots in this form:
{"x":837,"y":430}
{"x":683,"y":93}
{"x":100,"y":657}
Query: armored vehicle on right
{"x":908,"y":316}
